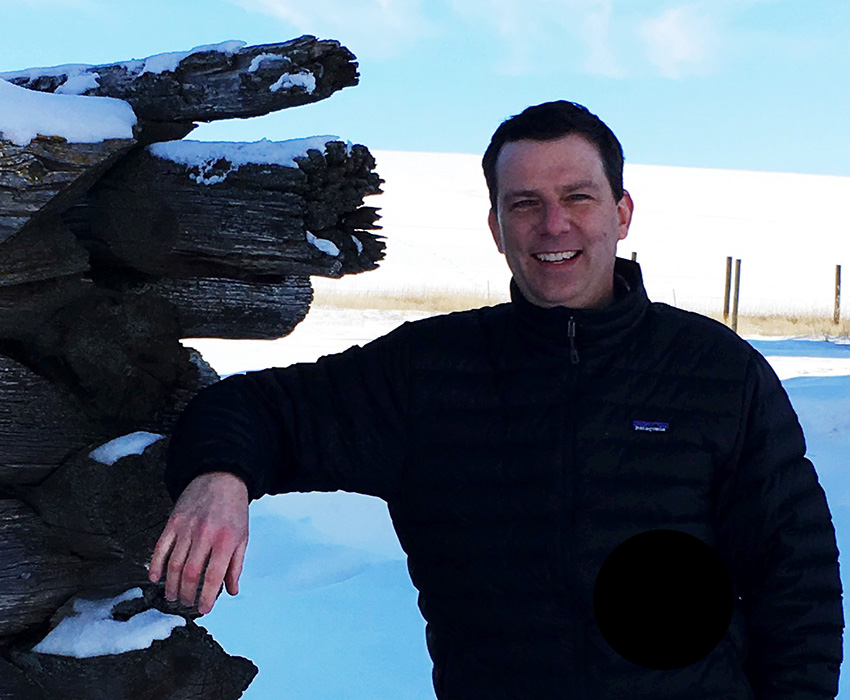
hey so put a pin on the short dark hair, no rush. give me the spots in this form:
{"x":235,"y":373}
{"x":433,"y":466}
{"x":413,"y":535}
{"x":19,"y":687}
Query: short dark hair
{"x":554,"y":120}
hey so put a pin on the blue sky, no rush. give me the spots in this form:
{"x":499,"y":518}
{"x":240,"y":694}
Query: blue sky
{"x":743,"y":84}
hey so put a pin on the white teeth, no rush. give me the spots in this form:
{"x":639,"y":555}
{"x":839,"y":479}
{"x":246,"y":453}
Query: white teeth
{"x":556,"y":257}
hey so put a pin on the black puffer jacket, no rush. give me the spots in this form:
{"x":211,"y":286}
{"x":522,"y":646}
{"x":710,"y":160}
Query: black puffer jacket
{"x":504,"y":441}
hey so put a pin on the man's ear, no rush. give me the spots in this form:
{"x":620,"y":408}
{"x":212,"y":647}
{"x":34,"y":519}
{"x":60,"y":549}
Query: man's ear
{"x":625,"y":209}
{"x":495,"y":229}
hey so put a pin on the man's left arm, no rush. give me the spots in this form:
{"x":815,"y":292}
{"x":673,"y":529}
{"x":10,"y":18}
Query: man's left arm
{"x":774,"y":519}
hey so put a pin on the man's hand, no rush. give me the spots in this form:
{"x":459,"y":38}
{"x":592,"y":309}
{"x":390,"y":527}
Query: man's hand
{"x":207,"y":528}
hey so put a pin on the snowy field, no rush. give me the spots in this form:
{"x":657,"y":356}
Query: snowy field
{"x":327,"y":610}
{"x":788,"y":230}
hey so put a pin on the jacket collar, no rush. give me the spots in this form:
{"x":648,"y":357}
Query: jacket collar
{"x":595,"y":330}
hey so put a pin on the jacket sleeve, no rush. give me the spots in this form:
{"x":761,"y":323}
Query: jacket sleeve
{"x":774,"y":514}
{"x":337,"y":424}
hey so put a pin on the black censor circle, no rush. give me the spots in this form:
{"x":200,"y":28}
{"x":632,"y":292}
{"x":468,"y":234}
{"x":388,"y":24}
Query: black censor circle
{"x":663,"y":599}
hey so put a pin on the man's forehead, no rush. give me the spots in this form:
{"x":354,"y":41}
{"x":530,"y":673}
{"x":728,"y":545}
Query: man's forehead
{"x":571,"y":158}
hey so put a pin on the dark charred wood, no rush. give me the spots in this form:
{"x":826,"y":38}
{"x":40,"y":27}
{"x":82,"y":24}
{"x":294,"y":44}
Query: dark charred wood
{"x":41,"y":425}
{"x":154,"y":216}
{"x":148,"y":132}
{"x":15,"y":685}
{"x":223,"y":308}
{"x":94,"y":528}
{"x":47,"y":175}
{"x":37,"y":571}
{"x":187,"y":665}
{"x":26,"y":307}
{"x":153,"y":596}
{"x":213,"y":85}
{"x":120,"y":359}
{"x":45,"y":250}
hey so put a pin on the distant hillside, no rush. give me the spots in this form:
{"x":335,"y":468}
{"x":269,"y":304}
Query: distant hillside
{"x":789,"y":231}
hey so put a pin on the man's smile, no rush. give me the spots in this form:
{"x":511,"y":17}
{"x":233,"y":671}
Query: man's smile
{"x":559,"y":257}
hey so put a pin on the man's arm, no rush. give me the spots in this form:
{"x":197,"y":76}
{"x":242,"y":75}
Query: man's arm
{"x":774,"y":519}
{"x":206,"y":536}
{"x":337,"y":424}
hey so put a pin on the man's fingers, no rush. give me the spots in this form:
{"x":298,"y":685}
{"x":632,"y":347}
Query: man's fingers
{"x":214,"y":575}
{"x":174,"y":567}
{"x":234,"y":571}
{"x":193,"y":569}
{"x":160,"y":555}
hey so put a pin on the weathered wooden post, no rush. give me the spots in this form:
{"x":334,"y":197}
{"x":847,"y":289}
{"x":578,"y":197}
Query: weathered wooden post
{"x":737,"y":295}
{"x":728,"y":288}
{"x":113,"y":247}
{"x":836,"y":316}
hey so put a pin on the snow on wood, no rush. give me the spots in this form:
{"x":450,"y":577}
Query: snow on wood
{"x":322,"y":244}
{"x":25,"y":114}
{"x":214,"y":82}
{"x":113,"y":247}
{"x":93,"y":631}
{"x":132,"y":444}
{"x":203,"y":156}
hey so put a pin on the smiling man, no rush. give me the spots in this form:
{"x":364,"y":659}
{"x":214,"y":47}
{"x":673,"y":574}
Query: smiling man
{"x":600,"y":497}
{"x":557,"y":221}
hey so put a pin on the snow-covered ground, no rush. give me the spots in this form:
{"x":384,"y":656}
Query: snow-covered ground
{"x":327,"y":610}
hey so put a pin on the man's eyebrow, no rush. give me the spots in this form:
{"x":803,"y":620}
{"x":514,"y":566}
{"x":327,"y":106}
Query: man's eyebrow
{"x":580,"y":185}
{"x":571,"y":187}
{"x":511,"y":194}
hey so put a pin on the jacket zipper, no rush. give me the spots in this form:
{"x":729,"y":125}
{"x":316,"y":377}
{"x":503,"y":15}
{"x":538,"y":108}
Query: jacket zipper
{"x":569,"y":523}
{"x":571,"y":334}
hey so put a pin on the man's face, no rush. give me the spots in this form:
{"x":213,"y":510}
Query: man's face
{"x":557,"y":222}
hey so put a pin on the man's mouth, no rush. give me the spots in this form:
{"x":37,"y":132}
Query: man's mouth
{"x":562,"y":256}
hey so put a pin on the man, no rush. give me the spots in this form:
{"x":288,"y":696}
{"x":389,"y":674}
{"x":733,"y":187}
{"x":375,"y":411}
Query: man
{"x":519,"y":446}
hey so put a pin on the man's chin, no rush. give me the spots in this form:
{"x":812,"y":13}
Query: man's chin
{"x":579,"y":299}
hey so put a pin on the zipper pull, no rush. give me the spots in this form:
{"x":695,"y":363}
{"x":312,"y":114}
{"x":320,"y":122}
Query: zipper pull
{"x":571,"y":334}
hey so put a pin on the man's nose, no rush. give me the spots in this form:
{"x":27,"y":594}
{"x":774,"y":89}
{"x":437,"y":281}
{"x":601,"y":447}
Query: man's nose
{"x":556,"y":219}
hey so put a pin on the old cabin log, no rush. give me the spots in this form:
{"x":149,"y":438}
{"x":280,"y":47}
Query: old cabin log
{"x":40,"y":425}
{"x":47,"y":175}
{"x":187,"y":665}
{"x":110,"y":253}
{"x":225,"y":308}
{"x":253,"y":222}
{"x":39,"y":571}
{"x":48,"y":251}
{"x":120,"y":358}
{"x":227,"y":81}
{"x":95,"y":528}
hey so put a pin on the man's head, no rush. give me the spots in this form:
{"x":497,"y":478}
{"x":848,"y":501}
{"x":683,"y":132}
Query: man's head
{"x":552,"y":120}
{"x":558,"y":204}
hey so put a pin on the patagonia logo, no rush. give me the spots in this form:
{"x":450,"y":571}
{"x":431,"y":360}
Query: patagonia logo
{"x":650,"y":426}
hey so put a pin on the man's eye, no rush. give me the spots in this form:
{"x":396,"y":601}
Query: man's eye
{"x":578,"y":197}
{"x":523,"y":204}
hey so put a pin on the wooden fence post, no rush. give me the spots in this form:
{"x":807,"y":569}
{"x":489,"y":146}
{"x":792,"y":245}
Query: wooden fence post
{"x":728,"y":287}
{"x":737,"y":295}
{"x":836,"y":317}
